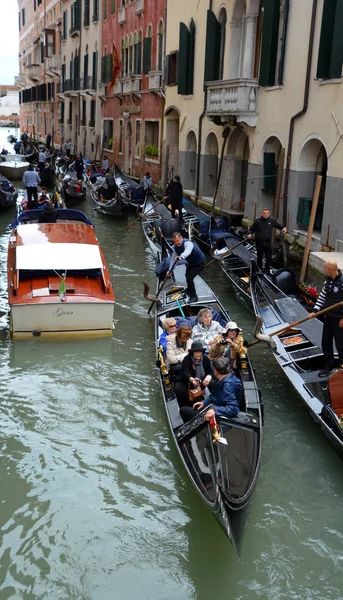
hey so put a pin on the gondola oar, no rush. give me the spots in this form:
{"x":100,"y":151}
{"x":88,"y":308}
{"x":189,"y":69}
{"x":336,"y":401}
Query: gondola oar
{"x":155,"y":299}
{"x":140,"y":217}
{"x":221,"y":257}
{"x":267,"y":338}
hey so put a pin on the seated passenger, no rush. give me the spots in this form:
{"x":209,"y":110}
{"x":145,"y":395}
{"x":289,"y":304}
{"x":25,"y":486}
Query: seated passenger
{"x":169,"y":327}
{"x":206,"y":330}
{"x":224,"y":397}
{"x":178,"y":345}
{"x":229,"y":344}
{"x":49,"y":213}
{"x":196,"y":369}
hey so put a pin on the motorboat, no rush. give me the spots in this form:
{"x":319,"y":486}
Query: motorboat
{"x":8,"y":193}
{"x":58,"y":278}
{"x":13,"y":166}
{"x":221,"y":461}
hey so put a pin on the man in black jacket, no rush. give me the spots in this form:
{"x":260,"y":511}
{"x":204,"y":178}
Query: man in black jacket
{"x":173,"y":197}
{"x":263,"y":228}
{"x":331,"y":293}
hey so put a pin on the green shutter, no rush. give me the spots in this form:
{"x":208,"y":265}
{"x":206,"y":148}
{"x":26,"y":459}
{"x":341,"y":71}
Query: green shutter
{"x":108,"y":67}
{"x":269,"y":170}
{"x":271,"y":18}
{"x":326,"y":35}
{"x":212,"y":53}
{"x":336,"y":59}
{"x":103,"y":69}
{"x":147,"y":55}
{"x":167,"y":70}
{"x":191,"y":57}
{"x":183,"y":64}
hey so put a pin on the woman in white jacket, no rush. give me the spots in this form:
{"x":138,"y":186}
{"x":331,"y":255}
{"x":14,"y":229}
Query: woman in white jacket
{"x":178,"y":345}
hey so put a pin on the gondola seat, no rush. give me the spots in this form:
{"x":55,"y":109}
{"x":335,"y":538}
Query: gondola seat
{"x":167,"y":227}
{"x":192,"y":321}
{"x":336,"y":395}
{"x":286,"y":282}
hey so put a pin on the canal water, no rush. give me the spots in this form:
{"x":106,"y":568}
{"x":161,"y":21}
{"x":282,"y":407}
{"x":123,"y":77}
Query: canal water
{"x":94,"y":501}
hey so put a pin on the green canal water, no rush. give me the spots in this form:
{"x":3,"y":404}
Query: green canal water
{"x":94,"y":501}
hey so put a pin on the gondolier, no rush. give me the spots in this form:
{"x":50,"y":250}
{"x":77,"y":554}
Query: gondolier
{"x":173,"y":197}
{"x":332,"y":292}
{"x":194,"y":259}
{"x":31,"y":181}
{"x":263,"y":229}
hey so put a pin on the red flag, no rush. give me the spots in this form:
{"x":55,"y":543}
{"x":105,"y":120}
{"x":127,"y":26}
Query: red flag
{"x":116,"y":66}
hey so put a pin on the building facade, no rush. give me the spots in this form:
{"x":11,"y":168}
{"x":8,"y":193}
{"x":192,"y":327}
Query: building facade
{"x":80,"y":110}
{"x":40,"y":67}
{"x":132,"y":77}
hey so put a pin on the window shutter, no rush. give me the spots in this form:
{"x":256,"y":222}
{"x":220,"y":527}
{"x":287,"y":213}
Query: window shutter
{"x":336,"y":59}
{"x":147,"y":55}
{"x":42,"y":52}
{"x":139,"y":58}
{"x":326,"y":34}
{"x":269,"y":169}
{"x":212,"y":53}
{"x":271,"y":18}
{"x":85,"y":65}
{"x":108,"y":67}
{"x":103,"y":69}
{"x":95,"y":68}
{"x":167,"y":69}
{"x":184,"y":55}
{"x":191,"y":57}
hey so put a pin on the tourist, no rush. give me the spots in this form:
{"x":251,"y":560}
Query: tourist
{"x":206,"y":329}
{"x":196,"y":369}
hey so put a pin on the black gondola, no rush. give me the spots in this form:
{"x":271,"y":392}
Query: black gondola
{"x":298,"y":352}
{"x":131,"y":187}
{"x":8,"y":193}
{"x":68,"y":189}
{"x":47,"y":177}
{"x":223,"y":475}
{"x":113,"y":206}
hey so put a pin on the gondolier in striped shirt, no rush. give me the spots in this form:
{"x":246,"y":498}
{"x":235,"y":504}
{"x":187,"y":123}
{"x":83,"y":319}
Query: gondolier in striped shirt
{"x":331,"y":293}
{"x":31,"y":181}
{"x":194,"y":259}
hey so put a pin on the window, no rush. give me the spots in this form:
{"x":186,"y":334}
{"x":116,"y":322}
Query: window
{"x":222,"y":21}
{"x":34,"y":4}
{"x":84,"y":113}
{"x":23,"y":17}
{"x":19,"y":20}
{"x":213,"y":43}
{"x":108,"y":134}
{"x":62,"y":113}
{"x":86,"y":13}
{"x":147,"y":50}
{"x":160,"y":43}
{"x":171,"y":68}
{"x":151,"y":138}
{"x":70,"y":115}
{"x":49,"y":42}
{"x":272,"y":24}
{"x":186,"y":59}
{"x":65,"y":24}
{"x":138,"y":55}
{"x":113,"y":6}
{"x":106,"y":68}
{"x":138,"y":138}
{"x":330,"y":57}
{"x":95,"y":10}
{"x":92,"y":113}
{"x":105,"y":9}
{"x":131,"y":54}
{"x":120,"y":137}
{"x":95,"y":69}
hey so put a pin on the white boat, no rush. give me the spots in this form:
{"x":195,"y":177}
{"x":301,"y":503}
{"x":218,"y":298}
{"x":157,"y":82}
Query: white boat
{"x":43,"y":255}
{"x":13,"y":166}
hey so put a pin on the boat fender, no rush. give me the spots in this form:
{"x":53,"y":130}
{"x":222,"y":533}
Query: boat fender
{"x":36,"y":333}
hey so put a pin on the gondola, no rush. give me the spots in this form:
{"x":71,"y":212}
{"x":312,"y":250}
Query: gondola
{"x":47,"y":177}
{"x":71,"y":197}
{"x":298,"y":352}
{"x":223,"y":475}
{"x":131,"y":187}
{"x":114,"y":206}
{"x":8,"y":193}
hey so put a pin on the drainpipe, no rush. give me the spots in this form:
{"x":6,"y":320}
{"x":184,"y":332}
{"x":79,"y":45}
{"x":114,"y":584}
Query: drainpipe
{"x":301,"y":112}
{"x":201,"y":118}
{"x":162,"y":88}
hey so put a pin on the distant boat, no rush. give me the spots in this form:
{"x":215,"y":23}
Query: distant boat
{"x":58,"y":278}
{"x":8,"y":193}
{"x":13,"y":166}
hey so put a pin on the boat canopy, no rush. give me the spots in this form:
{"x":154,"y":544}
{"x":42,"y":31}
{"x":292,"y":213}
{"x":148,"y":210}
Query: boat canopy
{"x":65,"y":257}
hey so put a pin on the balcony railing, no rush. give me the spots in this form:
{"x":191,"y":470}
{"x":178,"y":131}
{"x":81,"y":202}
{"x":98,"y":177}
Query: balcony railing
{"x":139,"y":7}
{"x":89,"y":83}
{"x":53,"y":65}
{"x":121,"y":15}
{"x":155,"y":80}
{"x":233,"y":98}
{"x":68,"y":85}
{"x":33,"y":72}
{"x":129,"y":85}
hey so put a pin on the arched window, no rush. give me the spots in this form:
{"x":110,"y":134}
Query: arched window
{"x":222,"y":21}
{"x":131,"y":54}
{"x":126,"y":56}
{"x":147,"y":51}
{"x":122,"y":58}
{"x":160,"y":42}
{"x":237,"y":40}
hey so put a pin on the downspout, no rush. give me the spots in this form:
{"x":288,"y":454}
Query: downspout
{"x":163,"y":83}
{"x":201,"y":118}
{"x":301,"y":112}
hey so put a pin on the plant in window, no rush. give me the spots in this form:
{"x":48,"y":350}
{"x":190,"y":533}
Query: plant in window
{"x":110,"y":143}
{"x":151,"y":150}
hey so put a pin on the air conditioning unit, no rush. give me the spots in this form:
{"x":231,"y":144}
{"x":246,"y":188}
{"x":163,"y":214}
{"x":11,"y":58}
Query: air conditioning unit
{"x":339,"y":246}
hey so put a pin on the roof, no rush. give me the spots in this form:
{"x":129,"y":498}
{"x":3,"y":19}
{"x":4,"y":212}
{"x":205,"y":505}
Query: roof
{"x":63,"y":233}
{"x":65,"y":257}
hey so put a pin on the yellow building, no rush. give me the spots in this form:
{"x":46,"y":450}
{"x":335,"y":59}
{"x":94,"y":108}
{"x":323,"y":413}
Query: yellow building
{"x":40,"y":67}
{"x":253,"y":89}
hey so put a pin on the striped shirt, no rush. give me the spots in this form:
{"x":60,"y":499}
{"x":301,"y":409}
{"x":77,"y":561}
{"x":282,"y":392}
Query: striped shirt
{"x":31,"y":179}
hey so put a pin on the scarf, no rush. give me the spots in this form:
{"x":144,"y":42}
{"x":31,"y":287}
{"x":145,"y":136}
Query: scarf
{"x":199,"y":368}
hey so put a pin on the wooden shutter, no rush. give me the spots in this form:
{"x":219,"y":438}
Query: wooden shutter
{"x":95,"y":68}
{"x":147,"y":44}
{"x":269,"y":169}
{"x":336,"y":58}
{"x":183,"y":65}
{"x":191,"y":57}
{"x":108,"y":67}
{"x":42,"y":52}
{"x":326,"y":34}
{"x":86,"y":13}
{"x":271,"y":18}
{"x":167,"y":69}
{"x":212,"y":53}
{"x":139,"y":58}
{"x":103,"y":69}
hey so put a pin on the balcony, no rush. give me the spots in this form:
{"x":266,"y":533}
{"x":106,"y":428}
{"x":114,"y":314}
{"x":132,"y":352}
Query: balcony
{"x":234,"y":99}
{"x":89,"y":83}
{"x":53,"y":65}
{"x":121,"y":15}
{"x":33,"y":72}
{"x":139,"y":7}
{"x":155,"y":81}
{"x":129,"y":85}
{"x":20,"y":80}
{"x":78,"y":84}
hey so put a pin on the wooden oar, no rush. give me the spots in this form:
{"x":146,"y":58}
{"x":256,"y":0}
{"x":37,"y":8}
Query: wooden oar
{"x":221,"y":257}
{"x":150,"y":209}
{"x":155,"y":299}
{"x":283,"y":329}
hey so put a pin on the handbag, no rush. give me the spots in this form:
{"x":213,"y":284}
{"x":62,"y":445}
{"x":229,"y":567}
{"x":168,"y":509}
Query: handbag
{"x":195,"y":393}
